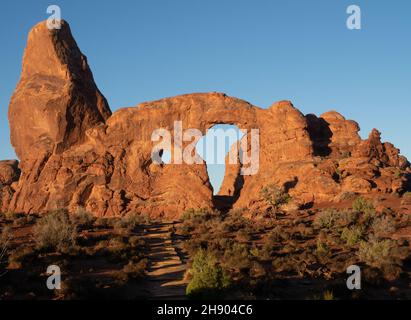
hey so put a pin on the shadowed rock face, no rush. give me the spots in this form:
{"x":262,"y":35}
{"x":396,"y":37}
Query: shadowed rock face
{"x":75,"y":153}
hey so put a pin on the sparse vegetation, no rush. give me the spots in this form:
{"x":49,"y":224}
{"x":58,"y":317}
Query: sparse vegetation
{"x":229,"y":254}
{"x":132,"y":221}
{"x":275,"y":196}
{"x":55,"y":231}
{"x":363,"y":205}
{"x":301,"y":247}
{"x":352,"y":235}
{"x":327,"y":219}
{"x":328,"y":295}
{"x":5,"y":237}
{"x":383,"y":254}
{"x":133,"y":271}
{"x":83,"y":218}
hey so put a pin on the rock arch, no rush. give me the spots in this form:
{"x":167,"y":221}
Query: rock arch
{"x":74,"y":153}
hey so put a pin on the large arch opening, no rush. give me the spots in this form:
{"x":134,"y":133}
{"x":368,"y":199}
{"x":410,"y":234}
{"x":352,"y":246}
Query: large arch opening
{"x":214,"y":148}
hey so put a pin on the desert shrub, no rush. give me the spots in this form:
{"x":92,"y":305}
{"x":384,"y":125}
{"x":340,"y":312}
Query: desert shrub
{"x":277,"y":234}
{"x":130,"y":222}
{"x":237,"y":257}
{"x":348,"y":196}
{"x":234,"y":221}
{"x":303,"y":231}
{"x":136,"y":242}
{"x":208,"y":278}
{"x":132,"y":271}
{"x":21,"y":255}
{"x":83,"y":218}
{"x":352,"y":235}
{"x":200,"y":221}
{"x":322,"y":248}
{"x":5,"y":237}
{"x":197,"y":214}
{"x":384,"y":254}
{"x":364,"y":206}
{"x":275,"y":196}
{"x":327,"y":219}
{"x":55,"y":231}
{"x":383,"y":226}
{"x":286,"y":264}
{"x":23,"y":220}
{"x":105,"y":222}
{"x":118,"y":249}
{"x":347,"y":218}
{"x":11,"y":215}
{"x":263,"y":254}
{"x":243,"y":235}
{"x":328,"y":295}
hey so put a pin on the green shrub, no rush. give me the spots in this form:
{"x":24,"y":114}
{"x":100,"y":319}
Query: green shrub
{"x":327,"y":219}
{"x":55,"y":231}
{"x":384,"y":254}
{"x":208,"y":278}
{"x":375,"y":253}
{"x":364,"y":206}
{"x":322,"y":248}
{"x":352,"y":235}
{"x":275,"y":196}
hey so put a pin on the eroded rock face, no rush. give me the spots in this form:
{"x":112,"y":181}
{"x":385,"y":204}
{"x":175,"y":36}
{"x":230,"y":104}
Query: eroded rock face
{"x":9,"y":175}
{"x":56,"y":100}
{"x":74,"y":153}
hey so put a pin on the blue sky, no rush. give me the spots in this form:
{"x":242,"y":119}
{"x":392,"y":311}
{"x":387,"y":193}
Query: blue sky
{"x":259,"y":50}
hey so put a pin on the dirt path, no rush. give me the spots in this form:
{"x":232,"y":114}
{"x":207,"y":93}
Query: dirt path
{"x":167,"y":265}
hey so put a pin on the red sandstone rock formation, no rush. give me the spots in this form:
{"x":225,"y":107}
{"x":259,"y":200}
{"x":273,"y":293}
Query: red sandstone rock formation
{"x":9,"y":175}
{"x":74,"y":153}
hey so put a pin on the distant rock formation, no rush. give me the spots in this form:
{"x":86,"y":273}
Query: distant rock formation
{"x":74,"y":153}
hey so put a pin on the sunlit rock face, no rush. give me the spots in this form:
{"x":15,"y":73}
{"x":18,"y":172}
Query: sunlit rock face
{"x":74,"y":153}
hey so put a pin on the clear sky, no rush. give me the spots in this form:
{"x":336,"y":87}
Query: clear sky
{"x":259,"y":50}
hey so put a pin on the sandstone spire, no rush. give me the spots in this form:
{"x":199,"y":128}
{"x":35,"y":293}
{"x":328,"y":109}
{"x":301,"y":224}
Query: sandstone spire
{"x":56,"y":100}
